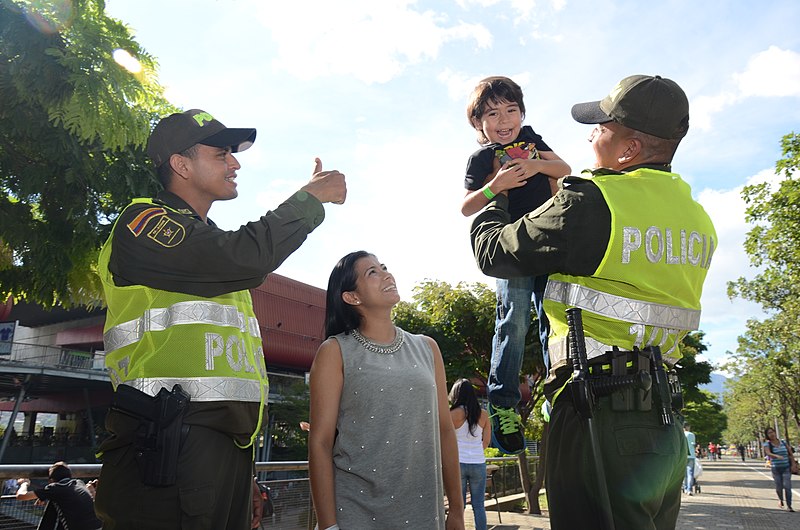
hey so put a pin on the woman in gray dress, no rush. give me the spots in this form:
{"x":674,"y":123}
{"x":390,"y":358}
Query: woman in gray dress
{"x":382,"y":453}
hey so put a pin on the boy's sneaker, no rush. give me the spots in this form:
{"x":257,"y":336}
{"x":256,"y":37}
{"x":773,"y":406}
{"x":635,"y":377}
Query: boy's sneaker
{"x":506,"y":430}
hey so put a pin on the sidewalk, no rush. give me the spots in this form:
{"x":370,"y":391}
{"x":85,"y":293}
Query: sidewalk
{"x":734,"y":495}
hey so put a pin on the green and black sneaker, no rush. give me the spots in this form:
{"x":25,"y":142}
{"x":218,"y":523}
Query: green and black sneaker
{"x":506,"y":430}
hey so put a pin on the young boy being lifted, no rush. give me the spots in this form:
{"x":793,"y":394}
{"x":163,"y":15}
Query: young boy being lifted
{"x":513,"y":160}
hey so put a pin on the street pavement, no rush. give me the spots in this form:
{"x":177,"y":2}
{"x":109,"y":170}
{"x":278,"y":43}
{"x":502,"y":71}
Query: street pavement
{"x":734,"y":495}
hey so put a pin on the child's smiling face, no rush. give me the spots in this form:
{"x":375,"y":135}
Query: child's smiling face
{"x":500,"y":122}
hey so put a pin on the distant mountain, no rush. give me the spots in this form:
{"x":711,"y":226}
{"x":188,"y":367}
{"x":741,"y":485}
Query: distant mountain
{"x":716,"y":386}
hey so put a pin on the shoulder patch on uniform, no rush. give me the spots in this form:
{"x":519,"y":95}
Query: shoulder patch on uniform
{"x":167,"y":232}
{"x":140,"y":221}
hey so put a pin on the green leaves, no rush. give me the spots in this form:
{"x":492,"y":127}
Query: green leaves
{"x":73,"y":126}
{"x":768,"y":358}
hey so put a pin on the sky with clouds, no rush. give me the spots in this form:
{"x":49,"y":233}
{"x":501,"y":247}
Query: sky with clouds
{"x":377,"y":89}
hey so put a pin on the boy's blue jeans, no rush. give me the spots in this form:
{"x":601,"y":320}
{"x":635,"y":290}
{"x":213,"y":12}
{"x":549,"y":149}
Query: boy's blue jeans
{"x":511,"y":326}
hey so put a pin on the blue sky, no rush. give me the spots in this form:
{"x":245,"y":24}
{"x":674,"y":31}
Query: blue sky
{"x":377,"y":89}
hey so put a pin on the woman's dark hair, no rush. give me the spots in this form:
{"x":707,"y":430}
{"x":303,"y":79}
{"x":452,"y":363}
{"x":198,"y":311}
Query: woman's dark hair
{"x":767,"y":431}
{"x":340,"y":316}
{"x":463,"y":395}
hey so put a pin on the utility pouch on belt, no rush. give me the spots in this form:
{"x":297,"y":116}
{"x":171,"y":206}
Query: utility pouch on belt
{"x":632,"y":397}
{"x":160,"y":433}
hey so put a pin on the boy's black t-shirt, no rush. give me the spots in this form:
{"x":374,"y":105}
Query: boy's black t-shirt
{"x":520,"y":200}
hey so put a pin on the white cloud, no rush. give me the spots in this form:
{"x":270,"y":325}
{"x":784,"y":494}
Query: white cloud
{"x":371,"y":41}
{"x":770,"y":73}
{"x":459,"y":85}
{"x":703,"y":107}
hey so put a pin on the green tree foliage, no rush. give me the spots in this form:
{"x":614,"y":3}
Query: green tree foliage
{"x":701,"y":408}
{"x":747,"y":406}
{"x":73,"y":126}
{"x":772,"y":346}
{"x":706,"y":418}
{"x":289,"y":442}
{"x":692,"y":373}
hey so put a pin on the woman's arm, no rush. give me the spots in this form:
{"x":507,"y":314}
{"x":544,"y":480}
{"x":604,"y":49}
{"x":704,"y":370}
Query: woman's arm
{"x":487,"y":428}
{"x":325,"y":384}
{"x":769,"y":453}
{"x":451,"y":471}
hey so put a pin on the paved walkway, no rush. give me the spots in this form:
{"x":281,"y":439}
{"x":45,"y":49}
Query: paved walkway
{"x":734,"y":495}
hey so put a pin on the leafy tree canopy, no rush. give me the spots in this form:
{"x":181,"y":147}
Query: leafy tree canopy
{"x":73,"y":126}
{"x":771,"y":347}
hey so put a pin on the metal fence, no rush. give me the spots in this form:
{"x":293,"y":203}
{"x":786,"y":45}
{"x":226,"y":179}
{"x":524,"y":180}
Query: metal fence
{"x":288,"y":507}
{"x":19,"y":515}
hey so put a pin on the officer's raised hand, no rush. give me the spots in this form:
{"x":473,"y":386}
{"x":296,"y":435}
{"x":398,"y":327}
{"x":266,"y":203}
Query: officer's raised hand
{"x":326,"y":186}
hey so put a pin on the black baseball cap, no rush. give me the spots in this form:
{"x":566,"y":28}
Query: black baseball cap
{"x":180,"y":131}
{"x":650,"y":104}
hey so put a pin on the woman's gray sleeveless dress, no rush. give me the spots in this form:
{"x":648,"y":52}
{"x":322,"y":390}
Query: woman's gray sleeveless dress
{"x":387,"y":457}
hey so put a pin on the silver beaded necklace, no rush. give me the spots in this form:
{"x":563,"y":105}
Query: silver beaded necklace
{"x":383,"y":349}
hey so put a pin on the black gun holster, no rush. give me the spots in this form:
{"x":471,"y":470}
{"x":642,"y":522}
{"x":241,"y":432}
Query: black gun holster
{"x":161,"y":431}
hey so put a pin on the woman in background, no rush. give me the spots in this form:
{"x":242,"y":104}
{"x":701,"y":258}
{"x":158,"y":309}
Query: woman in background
{"x":780,"y":459}
{"x":471,"y":423}
{"x":382,"y":453}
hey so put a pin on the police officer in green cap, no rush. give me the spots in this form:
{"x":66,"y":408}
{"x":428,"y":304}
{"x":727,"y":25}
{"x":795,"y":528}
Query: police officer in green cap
{"x":628,"y":245}
{"x":183,"y":346}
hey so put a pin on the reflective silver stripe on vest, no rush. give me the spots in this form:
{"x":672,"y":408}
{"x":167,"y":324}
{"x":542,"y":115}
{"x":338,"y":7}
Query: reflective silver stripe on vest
{"x":558,"y":352}
{"x":159,"y":319}
{"x":620,"y":308}
{"x":203,"y":388}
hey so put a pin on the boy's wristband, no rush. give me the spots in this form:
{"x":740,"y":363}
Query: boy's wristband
{"x":488,"y":193}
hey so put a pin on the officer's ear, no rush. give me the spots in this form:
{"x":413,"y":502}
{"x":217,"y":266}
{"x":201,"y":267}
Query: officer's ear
{"x":178,"y":164}
{"x":631,"y":149}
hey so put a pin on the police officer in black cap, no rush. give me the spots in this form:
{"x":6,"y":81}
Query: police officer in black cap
{"x":183,"y":346}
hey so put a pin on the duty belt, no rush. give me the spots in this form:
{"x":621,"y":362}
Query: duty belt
{"x":557,"y":351}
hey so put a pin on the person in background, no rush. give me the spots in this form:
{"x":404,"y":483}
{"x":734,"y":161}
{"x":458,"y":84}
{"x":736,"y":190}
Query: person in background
{"x":70,"y":504}
{"x":472,"y":427}
{"x":383,"y":452}
{"x":691,"y":441}
{"x":258,"y":505}
{"x":780,"y":456}
{"x":517,"y":161}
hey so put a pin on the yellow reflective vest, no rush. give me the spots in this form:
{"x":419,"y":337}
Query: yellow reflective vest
{"x":210,"y":346}
{"x":646,"y":290}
